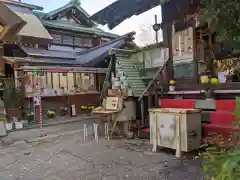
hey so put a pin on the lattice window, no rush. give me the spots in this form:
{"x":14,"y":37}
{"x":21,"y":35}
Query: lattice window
{"x":87,"y":42}
{"x":68,"y":40}
{"x":57,"y":38}
{"x":78,"y":41}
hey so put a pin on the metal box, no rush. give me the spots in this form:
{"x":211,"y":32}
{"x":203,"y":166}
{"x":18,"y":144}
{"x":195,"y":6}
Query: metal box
{"x":163,"y":127}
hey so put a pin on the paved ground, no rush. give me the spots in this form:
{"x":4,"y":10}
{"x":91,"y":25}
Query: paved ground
{"x":68,"y":157}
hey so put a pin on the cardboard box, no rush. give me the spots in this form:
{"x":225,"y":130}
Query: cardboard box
{"x":114,"y":92}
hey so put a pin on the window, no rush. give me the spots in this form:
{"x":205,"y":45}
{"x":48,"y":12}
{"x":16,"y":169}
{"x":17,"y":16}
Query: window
{"x":70,"y":81}
{"x":55,"y":78}
{"x":78,"y":41}
{"x":78,"y":80}
{"x":68,"y":40}
{"x":87,"y":42}
{"x":49,"y":80}
{"x":57,"y":39}
{"x":85,"y":81}
{"x":63,"y":80}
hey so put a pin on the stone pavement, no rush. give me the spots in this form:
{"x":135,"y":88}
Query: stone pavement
{"x":69,"y":157}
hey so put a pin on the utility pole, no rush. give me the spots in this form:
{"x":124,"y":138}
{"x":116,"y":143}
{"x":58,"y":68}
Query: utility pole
{"x":156,"y":28}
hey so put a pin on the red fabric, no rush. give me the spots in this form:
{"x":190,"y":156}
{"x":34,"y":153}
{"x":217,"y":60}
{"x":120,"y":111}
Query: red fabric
{"x":222,"y":129}
{"x":178,"y":103}
{"x":146,"y":130}
{"x":222,"y":118}
{"x":225,"y":105}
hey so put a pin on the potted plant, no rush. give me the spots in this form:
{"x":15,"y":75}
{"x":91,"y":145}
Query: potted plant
{"x":51,"y":114}
{"x":172,"y":85}
{"x":63,"y":111}
{"x":84,"y":109}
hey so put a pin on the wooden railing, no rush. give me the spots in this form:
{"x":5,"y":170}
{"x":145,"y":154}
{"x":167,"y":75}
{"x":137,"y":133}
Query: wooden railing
{"x":159,"y":72}
{"x":106,"y":80}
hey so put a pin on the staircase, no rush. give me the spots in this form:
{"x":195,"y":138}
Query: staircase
{"x":2,"y":115}
{"x":131,"y":71}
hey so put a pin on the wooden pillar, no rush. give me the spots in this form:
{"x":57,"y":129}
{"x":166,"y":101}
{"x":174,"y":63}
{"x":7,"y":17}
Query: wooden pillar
{"x":97,"y":82}
{"x":168,"y":40}
{"x":156,"y":99}
{"x":114,"y":64}
{"x":150,"y":98}
{"x":142,"y":110}
{"x":195,"y":56}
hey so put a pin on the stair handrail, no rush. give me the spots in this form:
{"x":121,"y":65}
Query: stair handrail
{"x":106,"y":80}
{"x":160,"y":69}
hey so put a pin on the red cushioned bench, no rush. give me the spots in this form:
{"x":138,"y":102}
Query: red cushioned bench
{"x":222,"y":119}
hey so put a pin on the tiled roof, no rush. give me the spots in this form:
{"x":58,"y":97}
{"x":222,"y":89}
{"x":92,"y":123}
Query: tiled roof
{"x":77,"y":28}
{"x":42,"y":60}
{"x":101,"y":52}
{"x":84,"y":58}
{"x":47,"y":22}
{"x":72,"y":3}
{"x":38,"y":52}
{"x":120,"y":10}
{"x":21,"y":4}
{"x":59,"y":68}
{"x":39,"y":14}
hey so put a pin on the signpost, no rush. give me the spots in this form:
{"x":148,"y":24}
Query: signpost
{"x":38,"y":102}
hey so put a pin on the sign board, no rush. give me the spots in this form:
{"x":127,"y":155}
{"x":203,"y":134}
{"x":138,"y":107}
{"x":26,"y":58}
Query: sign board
{"x":182,"y":43}
{"x":37,"y":100}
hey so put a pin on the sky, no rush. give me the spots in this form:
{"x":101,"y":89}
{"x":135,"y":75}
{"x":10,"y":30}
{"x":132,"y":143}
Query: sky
{"x":141,"y":24}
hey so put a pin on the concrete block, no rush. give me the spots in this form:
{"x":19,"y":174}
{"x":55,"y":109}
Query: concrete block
{"x":205,"y":104}
{"x":3,"y":131}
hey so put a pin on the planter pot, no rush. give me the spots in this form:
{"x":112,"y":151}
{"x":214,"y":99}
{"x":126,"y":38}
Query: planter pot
{"x":9,"y":126}
{"x":171,"y":88}
{"x":30,"y":118}
{"x":18,"y":125}
{"x":50,"y":116}
{"x":63,"y":112}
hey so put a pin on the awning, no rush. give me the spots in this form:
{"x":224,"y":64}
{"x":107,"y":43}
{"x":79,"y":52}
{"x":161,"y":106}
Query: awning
{"x":10,"y":24}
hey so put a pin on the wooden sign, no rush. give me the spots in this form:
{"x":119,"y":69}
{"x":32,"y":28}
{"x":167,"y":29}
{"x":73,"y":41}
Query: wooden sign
{"x":112,"y":103}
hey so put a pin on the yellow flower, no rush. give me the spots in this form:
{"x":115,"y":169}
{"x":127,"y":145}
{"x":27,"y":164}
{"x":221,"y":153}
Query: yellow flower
{"x":204,"y":80}
{"x":214,"y":81}
{"x":171,"y":82}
